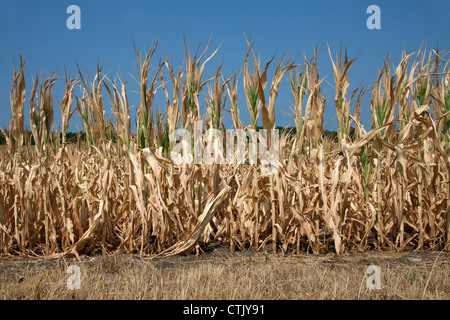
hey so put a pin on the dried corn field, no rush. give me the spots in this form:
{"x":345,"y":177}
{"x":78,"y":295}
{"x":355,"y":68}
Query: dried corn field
{"x":119,"y":191}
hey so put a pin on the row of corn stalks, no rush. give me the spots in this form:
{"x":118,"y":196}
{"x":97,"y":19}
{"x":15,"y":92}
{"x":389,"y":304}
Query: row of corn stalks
{"x":119,"y":191}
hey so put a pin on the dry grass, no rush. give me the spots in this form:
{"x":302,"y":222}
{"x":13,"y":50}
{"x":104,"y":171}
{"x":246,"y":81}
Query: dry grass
{"x":224,"y":276}
{"x":384,"y":189}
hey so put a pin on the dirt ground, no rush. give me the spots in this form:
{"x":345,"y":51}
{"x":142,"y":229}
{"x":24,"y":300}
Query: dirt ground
{"x":221,"y":275}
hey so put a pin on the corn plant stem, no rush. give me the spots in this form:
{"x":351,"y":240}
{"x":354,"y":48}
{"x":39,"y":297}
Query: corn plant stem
{"x":274,"y":229}
{"x":231,"y":226}
{"x":419,"y":209}
{"x":300,"y":202}
{"x":46,"y":226}
{"x":379,"y":214}
{"x":256,"y":208}
{"x":402,"y":216}
{"x":281,"y":206}
{"x":448,"y":206}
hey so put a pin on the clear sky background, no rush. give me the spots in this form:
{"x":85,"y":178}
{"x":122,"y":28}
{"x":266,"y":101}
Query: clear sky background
{"x":37,"y":30}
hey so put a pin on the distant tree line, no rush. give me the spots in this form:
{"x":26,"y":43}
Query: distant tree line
{"x":72,"y":137}
{"x":332,"y":135}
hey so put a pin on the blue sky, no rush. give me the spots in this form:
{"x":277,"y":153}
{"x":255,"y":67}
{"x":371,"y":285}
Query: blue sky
{"x":37,"y":30}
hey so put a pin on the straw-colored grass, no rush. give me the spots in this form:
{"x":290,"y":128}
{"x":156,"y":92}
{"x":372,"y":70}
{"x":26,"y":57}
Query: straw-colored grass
{"x":224,"y":276}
